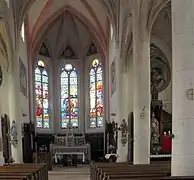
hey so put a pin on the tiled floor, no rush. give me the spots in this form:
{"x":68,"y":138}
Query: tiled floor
{"x":70,"y":173}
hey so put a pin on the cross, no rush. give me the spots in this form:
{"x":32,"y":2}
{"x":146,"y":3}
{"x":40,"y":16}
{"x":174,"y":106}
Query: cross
{"x":190,"y":94}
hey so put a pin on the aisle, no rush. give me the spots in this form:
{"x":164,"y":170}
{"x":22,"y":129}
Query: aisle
{"x":70,"y":173}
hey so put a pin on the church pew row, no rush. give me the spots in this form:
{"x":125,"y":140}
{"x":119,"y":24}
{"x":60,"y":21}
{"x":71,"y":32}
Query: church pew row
{"x":24,"y":172}
{"x":13,"y":178}
{"x":124,"y":171}
{"x":98,"y":170}
{"x":41,"y":169}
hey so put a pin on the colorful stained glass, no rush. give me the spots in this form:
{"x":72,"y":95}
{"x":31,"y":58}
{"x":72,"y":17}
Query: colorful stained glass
{"x":96,"y":95}
{"x":42,"y":97}
{"x":69,"y":97}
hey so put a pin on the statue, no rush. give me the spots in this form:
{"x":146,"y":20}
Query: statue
{"x":154,"y":125}
{"x":13,"y":134}
{"x":155,"y":134}
{"x":124,"y":128}
{"x":157,"y":83}
{"x":124,"y":131}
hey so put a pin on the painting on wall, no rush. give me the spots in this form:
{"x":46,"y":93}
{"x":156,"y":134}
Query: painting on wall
{"x":23,"y":78}
{"x":113,"y":77}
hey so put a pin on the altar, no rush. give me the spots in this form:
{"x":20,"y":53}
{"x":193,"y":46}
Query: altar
{"x":83,"y":150}
{"x":71,"y":145}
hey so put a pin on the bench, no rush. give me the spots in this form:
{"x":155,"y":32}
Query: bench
{"x":24,"y":171}
{"x":100,"y":171}
{"x":125,"y":171}
{"x":41,"y":169}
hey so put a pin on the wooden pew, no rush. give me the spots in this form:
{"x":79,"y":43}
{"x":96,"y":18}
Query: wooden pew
{"x":16,"y":172}
{"x":124,"y":171}
{"x":24,"y":171}
{"x":13,"y":178}
{"x":123,"y":168}
{"x":41,"y":169}
{"x":109,"y":170}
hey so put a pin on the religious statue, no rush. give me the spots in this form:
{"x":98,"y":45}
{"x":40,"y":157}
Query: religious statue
{"x":13,"y":134}
{"x":124,"y":128}
{"x":155,"y":134}
{"x":157,"y":82}
{"x":124,"y":131}
{"x":154,"y":125}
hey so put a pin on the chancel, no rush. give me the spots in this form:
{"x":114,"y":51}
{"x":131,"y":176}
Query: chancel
{"x":96,"y":89}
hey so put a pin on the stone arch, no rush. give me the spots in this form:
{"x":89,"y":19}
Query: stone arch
{"x":155,"y":12}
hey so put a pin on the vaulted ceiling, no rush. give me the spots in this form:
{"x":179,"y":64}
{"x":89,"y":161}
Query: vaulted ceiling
{"x":67,"y":30}
{"x":163,"y":20}
{"x":77,"y":22}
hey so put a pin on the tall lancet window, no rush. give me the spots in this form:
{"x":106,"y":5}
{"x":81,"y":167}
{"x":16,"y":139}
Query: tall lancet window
{"x":96,"y":94}
{"x":42,"y":96}
{"x":69,"y":97}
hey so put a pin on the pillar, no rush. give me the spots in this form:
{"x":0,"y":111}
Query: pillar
{"x":15,"y":109}
{"x":122,"y":150}
{"x":182,"y":80}
{"x":141,"y":91}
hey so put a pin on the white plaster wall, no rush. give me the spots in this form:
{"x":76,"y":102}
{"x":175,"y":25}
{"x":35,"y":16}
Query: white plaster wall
{"x":24,"y":102}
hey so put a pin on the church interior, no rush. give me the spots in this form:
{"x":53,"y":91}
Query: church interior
{"x":96,"y":89}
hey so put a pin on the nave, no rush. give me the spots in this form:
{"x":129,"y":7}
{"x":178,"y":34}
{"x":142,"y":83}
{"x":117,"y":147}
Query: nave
{"x":101,"y":84}
{"x":81,"y":172}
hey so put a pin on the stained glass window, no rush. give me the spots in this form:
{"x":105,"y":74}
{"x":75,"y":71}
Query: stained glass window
{"x":96,"y":94}
{"x":42,"y":96}
{"x":69,"y":97}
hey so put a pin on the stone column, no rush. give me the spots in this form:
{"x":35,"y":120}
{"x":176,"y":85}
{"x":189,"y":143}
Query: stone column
{"x":141,"y":91}
{"x":182,"y":80}
{"x":122,"y":150}
{"x":15,"y":110}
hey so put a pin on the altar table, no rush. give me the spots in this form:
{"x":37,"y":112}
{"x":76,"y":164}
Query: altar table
{"x":83,"y":150}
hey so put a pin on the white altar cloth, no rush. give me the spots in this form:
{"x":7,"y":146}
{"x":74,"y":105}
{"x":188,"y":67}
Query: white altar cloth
{"x":83,"y":150}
